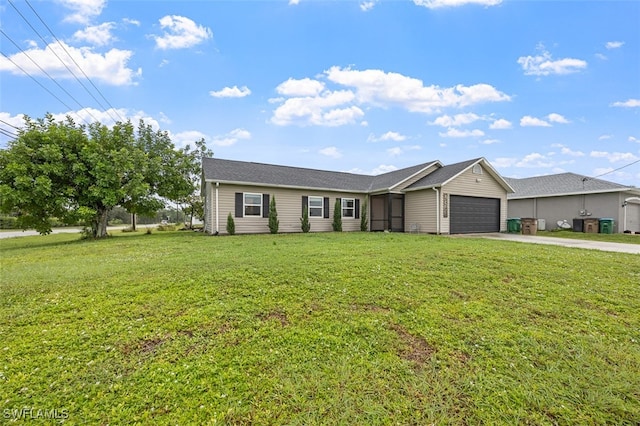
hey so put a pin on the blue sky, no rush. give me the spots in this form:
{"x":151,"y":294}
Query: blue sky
{"x":535,"y":87}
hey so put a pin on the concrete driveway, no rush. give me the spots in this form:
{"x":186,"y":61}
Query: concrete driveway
{"x":566,"y":242}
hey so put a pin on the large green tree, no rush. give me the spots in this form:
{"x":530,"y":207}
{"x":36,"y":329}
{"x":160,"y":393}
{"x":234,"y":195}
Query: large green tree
{"x":79,"y":173}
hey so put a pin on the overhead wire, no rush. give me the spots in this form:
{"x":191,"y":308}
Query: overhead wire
{"x":73,"y":60}
{"x":615,"y":170}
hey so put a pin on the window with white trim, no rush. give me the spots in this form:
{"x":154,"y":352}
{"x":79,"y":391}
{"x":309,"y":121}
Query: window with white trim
{"x":348,"y":207}
{"x":252,"y":204}
{"x":477,"y":169}
{"x":316,"y":206}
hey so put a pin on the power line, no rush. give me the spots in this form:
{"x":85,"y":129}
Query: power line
{"x":9,"y":124}
{"x":7,"y":133}
{"x":72,"y":59}
{"x":615,"y":170}
{"x":47,"y":74}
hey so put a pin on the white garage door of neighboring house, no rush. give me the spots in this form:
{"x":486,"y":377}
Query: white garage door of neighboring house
{"x":473,"y":214}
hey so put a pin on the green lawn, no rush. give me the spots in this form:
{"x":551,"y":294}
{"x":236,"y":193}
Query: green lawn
{"x":613,"y":238}
{"x":335,"y":328}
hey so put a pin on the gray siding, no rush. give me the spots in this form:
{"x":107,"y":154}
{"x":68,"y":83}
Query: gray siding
{"x":288,"y":205}
{"x":420,"y":211}
{"x":475,"y":185}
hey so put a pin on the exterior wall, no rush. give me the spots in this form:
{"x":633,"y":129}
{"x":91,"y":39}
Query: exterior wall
{"x":633,"y":218}
{"x":568,"y":207}
{"x":288,"y":205}
{"x":420,"y":211}
{"x":475,"y":185}
{"x":208,"y":214}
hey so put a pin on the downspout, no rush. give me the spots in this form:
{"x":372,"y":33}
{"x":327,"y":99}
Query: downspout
{"x":217,"y":210}
{"x":437,"y":210}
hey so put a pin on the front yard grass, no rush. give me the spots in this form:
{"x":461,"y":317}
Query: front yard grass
{"x":613,"y":238}
{"x":334,"y":328}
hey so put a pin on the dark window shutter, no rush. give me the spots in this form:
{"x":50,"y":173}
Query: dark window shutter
{"x":326,"y":207}
{"x":239,"y":204}
{"x":357,"y":209}
{"x":305,"y":203}
{"x":265,"y":205}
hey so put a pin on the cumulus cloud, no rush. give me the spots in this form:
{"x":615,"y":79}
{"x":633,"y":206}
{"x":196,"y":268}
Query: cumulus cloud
{"x":302,"y":87}
{"x":83,"y":11}
{"x":544,"y":64}
{"x":231,"y":92}
{"x":97,"y":35}
{"x":110,"y":67}
{"x":398,"y":150}
{"x":435,"y":4}
{"x":292,"y":2}
{"x":331,"y":151}
{"x":181,"y":33}
{"x":557,"y":118}
{"x":633,"y":139}
{"x":568,"y":151}
{"x":366,"y":6}
{"x":630,"y":103}
{"x":614,"y":44}
{"x":456,"y":133}
{"x":614,"y":157}
{"x":528,"y":121}
{"x":231,"y":138}
{"x":455,"y":121}
{"x":531,"y":160}
{"x":500,"y":124}
{"x":604,"y":137}
{"x":188,"y":137}
{"x":327,"y":109}
{"x":489,"y":141}
{"x":389,"y":136}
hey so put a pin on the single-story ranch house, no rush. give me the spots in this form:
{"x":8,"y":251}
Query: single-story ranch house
{"x":568,"y":196}
{"x":465,"y":197}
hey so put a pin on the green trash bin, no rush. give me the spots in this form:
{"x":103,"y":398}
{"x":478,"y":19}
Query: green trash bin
{"x":513,"y":225}
{"x":606,"y":225}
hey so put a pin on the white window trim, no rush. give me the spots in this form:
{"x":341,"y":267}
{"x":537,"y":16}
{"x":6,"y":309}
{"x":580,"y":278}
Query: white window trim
{"x":342,"y":207}
{"x":321,"y":207}
{"x":244,"y":204}
{"x":477,"y":169}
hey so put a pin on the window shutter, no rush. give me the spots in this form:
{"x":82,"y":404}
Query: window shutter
{"x":239,"y":204}
{"x":305,"y":203}
{"x":357,"y":209}
{"x":265,"y":205}
{"x":326,"y":207}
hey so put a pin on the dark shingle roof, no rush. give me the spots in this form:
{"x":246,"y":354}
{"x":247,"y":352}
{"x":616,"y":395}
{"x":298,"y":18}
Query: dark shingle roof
{"x":560,"y":184}
{"x":216,"y":169}
{"x":443,"y":174}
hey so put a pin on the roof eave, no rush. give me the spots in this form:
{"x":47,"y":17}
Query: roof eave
{"x":274,"y":185}
{"x":564,"y":194}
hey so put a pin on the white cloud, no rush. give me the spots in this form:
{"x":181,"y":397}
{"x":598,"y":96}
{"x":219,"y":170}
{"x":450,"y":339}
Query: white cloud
{"x":455,"y":133}
{"x":231,"y":92}
{"x":383,"y":168}
{"x":500,"y":124}
{"x":532,"y":160}
{"x":188,"y":137}
{"x":294,"y":2}
{"x":130,"y":21}
{"x":504,"y":162}
{"x":489,"y":141}
{"x":328,"y":109}
{"x":303,"y":87}
{"x":180,"y":33}
{"x":398,"y":150}
{"x":633,"y":139}
{"x":366,"y":6}
{"x":614,"y":44}
{"x":231,"y":138}
{"x":378,"y":88}
{"x":528,"y":121}
{"x":614,"y":157}
{"x":601,"y":56}
{"x":604,"y":137}
{"x":389,"y":136}
{"x":331,"y":151}
{"x":544,"y":64}
{"x":83,"y":10}
{"x":557,"y":118}
{"x":630,"y":103}
{"x":455,"y":121}
{"x":435,"y":4}
{"x":110,"y":67}
{"x":108,"y":117}
{"x":395,"y":151}
{"x":97,"y":35}
{"x":567,"y":151}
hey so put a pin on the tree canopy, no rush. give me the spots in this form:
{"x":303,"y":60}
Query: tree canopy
{"x":77,"y":173}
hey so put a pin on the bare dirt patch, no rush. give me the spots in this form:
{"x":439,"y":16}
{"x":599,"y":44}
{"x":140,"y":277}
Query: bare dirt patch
{"x":416,"y":349}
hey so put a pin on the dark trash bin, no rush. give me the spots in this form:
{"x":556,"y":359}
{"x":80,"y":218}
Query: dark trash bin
{"x":606,"y":225}
{"x":513,"y":225}
{"x":578,"y":225}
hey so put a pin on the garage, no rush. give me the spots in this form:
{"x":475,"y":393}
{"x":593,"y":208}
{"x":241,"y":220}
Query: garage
{"x":474,"y":214}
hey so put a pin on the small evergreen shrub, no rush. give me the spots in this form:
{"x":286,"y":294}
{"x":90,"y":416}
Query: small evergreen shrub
{"x":274,"y":223}
{"x":337,"y":216}
{"x":231,"y":225}
{"x":304,"y":220}
{"x":364,"y":220}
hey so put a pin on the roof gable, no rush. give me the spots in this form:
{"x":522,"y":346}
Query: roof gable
{"x":448,"y":173}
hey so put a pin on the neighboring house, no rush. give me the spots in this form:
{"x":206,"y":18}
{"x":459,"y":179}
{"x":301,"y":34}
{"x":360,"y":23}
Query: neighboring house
{"x":460,"y":198}
{"x":565,"y":196}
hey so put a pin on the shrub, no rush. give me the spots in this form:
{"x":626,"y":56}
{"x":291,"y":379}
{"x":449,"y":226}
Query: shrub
{"x":337,"y":216}
{"x":168,"y":227}
{"x":304,"y":220}
{"x":364,"y":220}
{"x":274,"y":223}
{"x":231,"y":225}
{"x":8,"y":222}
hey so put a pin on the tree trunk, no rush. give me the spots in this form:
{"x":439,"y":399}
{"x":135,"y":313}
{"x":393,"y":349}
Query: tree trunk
{"x":133,"y":222}
{"x":99,"y":223}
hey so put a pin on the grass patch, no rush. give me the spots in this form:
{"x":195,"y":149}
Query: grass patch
{"x":612,"y":238}
{"x":335,"y":328}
